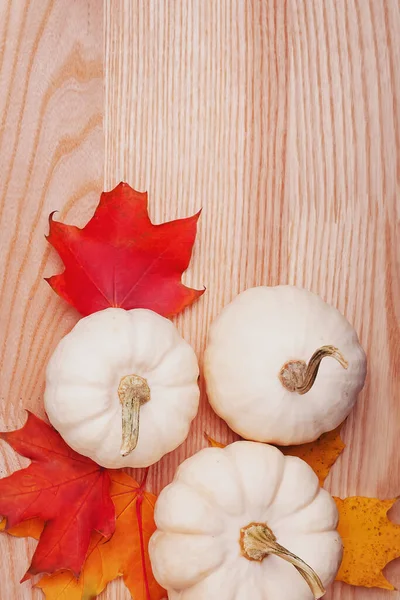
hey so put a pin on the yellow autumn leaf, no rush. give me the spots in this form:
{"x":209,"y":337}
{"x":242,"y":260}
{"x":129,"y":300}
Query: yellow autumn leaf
{"x":370,"y":541}
{"x":321,"y":455}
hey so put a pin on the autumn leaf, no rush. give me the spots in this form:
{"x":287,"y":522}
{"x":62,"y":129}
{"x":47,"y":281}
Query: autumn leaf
{"x":124,"y":555}
{"x":213,"y":443}
{"x":321,"y":455}
{"x":31,"y":528}
{"x":67,"y":491}
{"x":121,"y":259}
{"x":370,"y":541}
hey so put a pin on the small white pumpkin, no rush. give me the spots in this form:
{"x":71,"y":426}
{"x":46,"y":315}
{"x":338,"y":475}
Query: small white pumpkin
{"x":115,"y":367}
{"x":235,"y":522}
{"x":263,"y":357}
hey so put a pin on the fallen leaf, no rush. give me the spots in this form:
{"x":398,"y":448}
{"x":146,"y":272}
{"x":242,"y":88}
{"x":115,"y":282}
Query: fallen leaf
{"x":31,"y":528}
{"x":124,"y":555}
{"x":68,"y":491}
{"x":121,"y":259}
{"x":213,"y":443}
{"x":370,"y":541}
{"x":321,"y":455}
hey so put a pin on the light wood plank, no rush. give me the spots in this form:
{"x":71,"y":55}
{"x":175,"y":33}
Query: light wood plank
{"x":280,"y":119}
{"x":51,"y":156}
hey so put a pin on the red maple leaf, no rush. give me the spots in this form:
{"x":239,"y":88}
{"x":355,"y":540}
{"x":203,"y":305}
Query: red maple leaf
{"x":70,"y":492}
{"x":121,"y":259}
{"x":125,"y":554}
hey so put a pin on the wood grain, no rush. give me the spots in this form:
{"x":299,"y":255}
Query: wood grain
{"x":51,"y":156}
{"x":280,"y":118}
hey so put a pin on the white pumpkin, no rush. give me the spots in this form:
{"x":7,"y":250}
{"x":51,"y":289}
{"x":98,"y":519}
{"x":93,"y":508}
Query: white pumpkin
{"x":245,"y":523}
{"x":263,"y":366}
{"x":122,"y":388}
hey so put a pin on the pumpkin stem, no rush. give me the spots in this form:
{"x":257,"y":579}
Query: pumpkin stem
{"x":298,"y":376}
{"x":133,"y":391}
{"x":257,"y":541}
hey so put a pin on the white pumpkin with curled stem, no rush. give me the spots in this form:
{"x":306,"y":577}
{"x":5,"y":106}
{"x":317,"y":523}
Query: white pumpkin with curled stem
{"x":282,"y":365}
{"x":122,"y":387}
{"x":245,"y":522}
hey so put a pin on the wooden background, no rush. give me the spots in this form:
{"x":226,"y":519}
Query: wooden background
{"x":280,"y":118}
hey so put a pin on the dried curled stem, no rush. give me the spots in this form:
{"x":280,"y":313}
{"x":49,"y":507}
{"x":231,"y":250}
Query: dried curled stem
{"x":257,"y":541}
{"x":298,"y":376}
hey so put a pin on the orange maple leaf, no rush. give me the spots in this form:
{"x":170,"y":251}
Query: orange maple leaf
{"x":121,"y":259}
{"x":213,"y":443}
{"x":124,"y":555}
{"x":31,"y":528}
